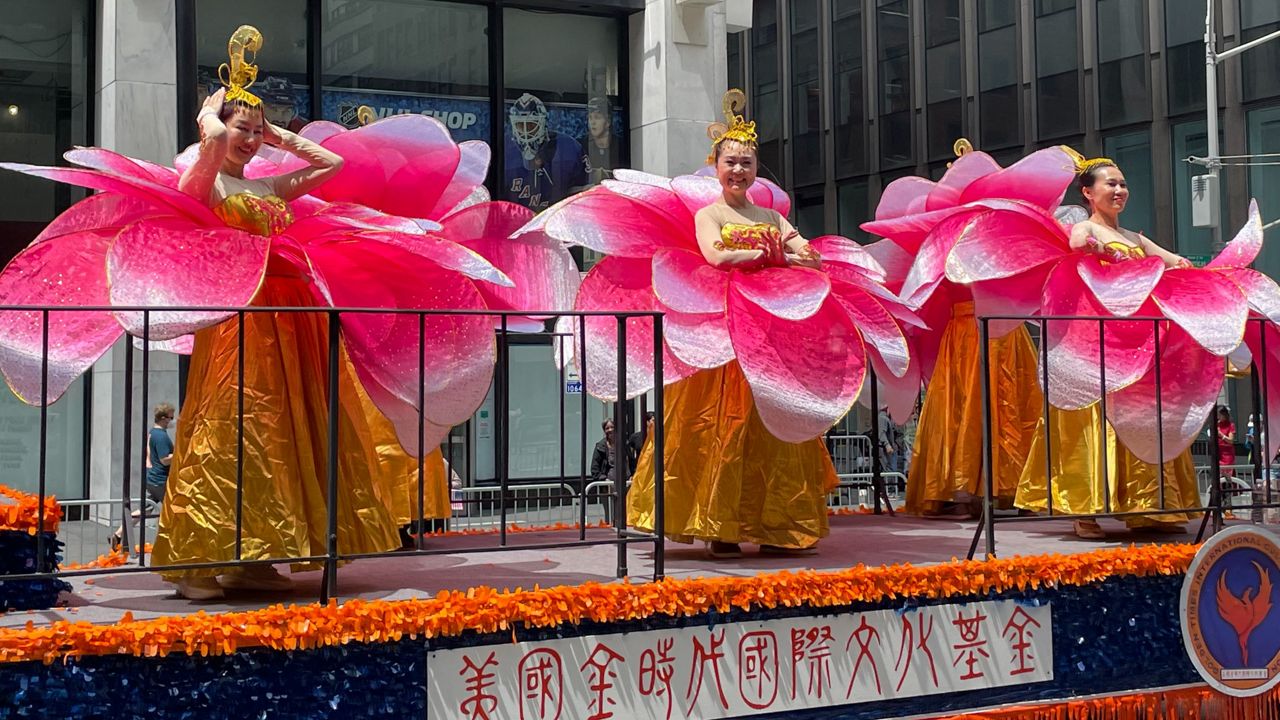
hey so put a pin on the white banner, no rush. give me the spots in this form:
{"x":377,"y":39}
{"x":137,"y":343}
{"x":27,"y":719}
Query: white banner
{"x":737,"y":669}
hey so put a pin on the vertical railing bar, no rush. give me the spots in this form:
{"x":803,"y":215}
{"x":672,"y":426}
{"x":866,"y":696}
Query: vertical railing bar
{"x":581,"y":354}
{"x":240,"y":322}
{"x":877,"y":441}
{"x":1264,"y":415}
{"x":619,"y":455}
{"x":1048,"y":415}
{"x":418,"y":525}
{"x":127,"y":450}
{"x":44,"y":441}
{"x":329,"y":587}
{"x":1102,"y":408}
{"x":659,"y":456}
{"x":1160,"y":473}
{"x":500,"y":432}
{"x":142,"y":466}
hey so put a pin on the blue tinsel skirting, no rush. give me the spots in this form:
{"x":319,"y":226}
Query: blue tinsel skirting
{"x":18,"y":557}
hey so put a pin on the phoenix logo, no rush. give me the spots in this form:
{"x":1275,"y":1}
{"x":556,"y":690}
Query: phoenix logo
{"x":1245,"y":613}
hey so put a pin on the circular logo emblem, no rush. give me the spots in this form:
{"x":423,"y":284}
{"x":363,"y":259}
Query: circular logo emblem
{"x":1230,"y":622}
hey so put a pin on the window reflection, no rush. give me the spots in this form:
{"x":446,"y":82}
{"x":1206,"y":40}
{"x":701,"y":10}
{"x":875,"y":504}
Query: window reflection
{"x":282,"y":78}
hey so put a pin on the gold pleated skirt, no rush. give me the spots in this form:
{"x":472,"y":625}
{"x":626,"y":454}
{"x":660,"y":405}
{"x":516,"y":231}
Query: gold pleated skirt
{"x":285,"y":498}
{"x":727,"y":477}
{"x":1133,"y":485}
{"x":946,"y":462}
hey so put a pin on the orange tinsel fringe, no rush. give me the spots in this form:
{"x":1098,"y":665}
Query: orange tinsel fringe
{"x":486,"y":610}
{"x":23,"y":514}
{"x":1193,"y":703}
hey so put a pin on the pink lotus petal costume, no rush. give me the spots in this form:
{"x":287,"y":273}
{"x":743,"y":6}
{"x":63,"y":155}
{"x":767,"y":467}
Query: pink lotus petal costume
{"x":140,"y":241}
{"x":759,"y":362}
{"x":923,"y":219}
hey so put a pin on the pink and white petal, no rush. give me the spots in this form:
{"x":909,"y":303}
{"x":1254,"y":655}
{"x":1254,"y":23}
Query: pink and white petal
{"x":1041,"y":178}
{"x":899,"y":395}
{"x":658,"y":197}
{"x":895,"y":261}
{"x":930,"y":265}
{"x":1210,"y":307}
{"x":404,"y":416}
{"x":696,"y":192}
{"x":70,"y":271}
{"x":1004,"y":241}
{"x":1245,"y":246}
{"x":181,"y":345}
{"x":837,"y":249}
{"x":146,"y":190}
{"x":778,"y":199}
{"x":684,"y":282}
{"x":618,"y":284}
{"x":890,"y":301}
{"x":790,"y":293}
{"x":701,"y":340}
{"x":170,"y":263}
{"x":909,"y":231}
{"x":804,"y":374}
{"x":1012,"y":297}
{"x":614,"y":225}
{"x":269,"y":161}
{"x":1076,"y":347}
{"x":460,"y":349}
{"x":935,"y":315}
{"x":102,"y":211}
{"x":317,"y":131}
{"x":445,"y":253}
{"x":473,"y":166}
{"x":902,"y":197}
{"x":878,"y":327}
{"x":1121,"y":287}
{"x":1260,"y":290}
{"x":1190,"y":380}
{"x":966,"y":169}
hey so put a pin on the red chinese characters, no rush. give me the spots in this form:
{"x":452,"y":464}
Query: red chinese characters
{"x":908,"y":646}
{"x":600,"y":680}
{"x":811,"y":648}
{"x":1018,"y":630}
{"x":541,"y":685}
{"x":864,"y":635}
{"x":479,"y":703}
{"x":758,"y":669}
{"x":971,"y":644}
{"x":657,"y":667}
{"x":704,"y":655}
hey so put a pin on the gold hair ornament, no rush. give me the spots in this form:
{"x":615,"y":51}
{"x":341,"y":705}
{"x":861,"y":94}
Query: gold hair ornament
{"x":1083,"y":166}
{"x":365,"y":115}
{"x":961,"y":148}
{"x":735,"y":127}
{"x":241,"y":73}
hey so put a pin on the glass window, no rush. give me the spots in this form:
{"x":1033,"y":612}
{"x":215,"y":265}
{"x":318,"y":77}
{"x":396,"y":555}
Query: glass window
{"x":1057,"y":69}
{"x":1189,"y":138}
{"x":563,"y":126}
{"x":944,"y":82}
{"x":1184,"y":55}
{"x":893,"y":31}
{"x":999,"y":106}
{"x":1132,"y":152}
{"x":1122,"y":63}
{"x":1260,"y":79}
{"x":733,"y":57}
{"x":806,"y":93}
{"x":282,"y":82}
{"x":850,"y":121}
{"x":765,"y":93}
{"x":1264,"y":181}
{"x":810,"y":220}
{"x":44,"y":82}
{"x":854,"y":208}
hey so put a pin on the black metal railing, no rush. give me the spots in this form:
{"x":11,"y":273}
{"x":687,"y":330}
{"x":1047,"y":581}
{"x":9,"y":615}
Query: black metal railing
{"x":621,"y":536}
{"x":1212,"y":511}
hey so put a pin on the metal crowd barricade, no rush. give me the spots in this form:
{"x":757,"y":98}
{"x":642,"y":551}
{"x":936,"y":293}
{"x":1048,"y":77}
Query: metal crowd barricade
{"x":1216,"y":497}
{"x":534,"y":504}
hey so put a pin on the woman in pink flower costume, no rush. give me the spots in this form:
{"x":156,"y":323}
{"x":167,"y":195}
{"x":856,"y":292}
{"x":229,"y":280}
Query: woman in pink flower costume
{"x":1098,"y":268}
{"x":920,"y":221}
{"x":764,"y":342}
{"x":237,"y":228}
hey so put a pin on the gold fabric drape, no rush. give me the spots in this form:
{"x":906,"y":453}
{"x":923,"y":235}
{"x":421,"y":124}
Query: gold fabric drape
{"x":727,"y":477}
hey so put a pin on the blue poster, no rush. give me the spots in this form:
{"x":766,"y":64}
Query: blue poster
{"x":553,"y":150}
{"x":466,"y":118}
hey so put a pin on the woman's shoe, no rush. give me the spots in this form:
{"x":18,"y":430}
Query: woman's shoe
{"x":723,"y":550}
{"x":200,"y":588}
{"x":1089,"y":529}
{"x":256,"y":577}
{"x":114,"y":541}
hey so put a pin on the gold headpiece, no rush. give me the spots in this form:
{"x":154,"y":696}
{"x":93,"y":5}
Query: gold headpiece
{"x":735,"y":127}
{"x":961,"y":148}
{"x":365,"y":115}
{"x":238,"y":75}
{"x":1083,"y":166}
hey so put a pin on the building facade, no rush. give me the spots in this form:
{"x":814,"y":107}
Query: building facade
{"x":526,"y":77}
{"x":852,"y":94}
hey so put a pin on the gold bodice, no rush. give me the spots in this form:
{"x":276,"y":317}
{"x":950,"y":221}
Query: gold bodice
{"x":759,"y":236}
{"x":1122,"y":250}
{"x":267,"y":215}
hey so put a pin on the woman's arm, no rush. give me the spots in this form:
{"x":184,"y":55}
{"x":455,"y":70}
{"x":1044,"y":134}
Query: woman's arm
{"x":708,"y":232}
{"x":1172,"y":260}
{"x":798,"y":250}
{"x":324,"y":164}
{"x":198,"y":179}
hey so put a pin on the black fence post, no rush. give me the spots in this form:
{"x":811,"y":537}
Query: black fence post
{"x":329,"y":588}
{"x":619,"y":451}
{"x":659,"y":457}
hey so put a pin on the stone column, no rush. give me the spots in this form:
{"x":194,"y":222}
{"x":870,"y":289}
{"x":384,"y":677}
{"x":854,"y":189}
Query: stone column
{"x":135,"y":96}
